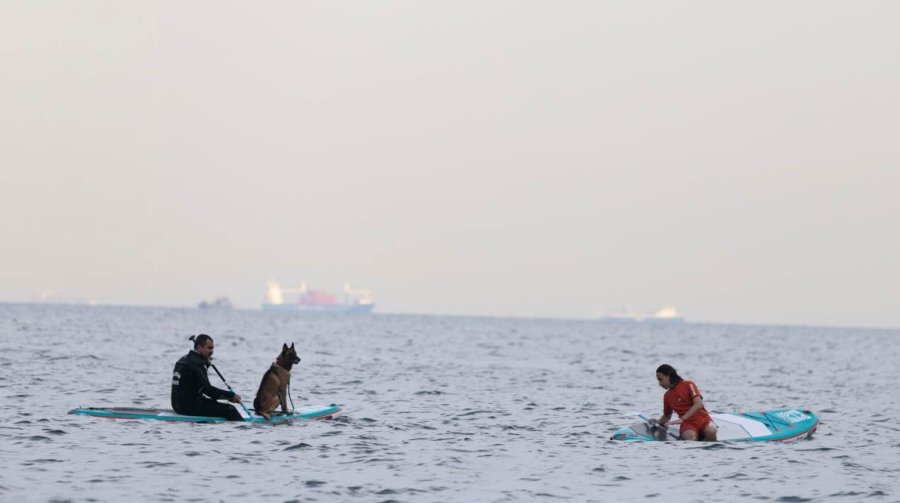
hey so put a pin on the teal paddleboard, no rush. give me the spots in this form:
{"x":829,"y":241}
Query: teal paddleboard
{"x":778,"y":425}
{"x":311,"y":412}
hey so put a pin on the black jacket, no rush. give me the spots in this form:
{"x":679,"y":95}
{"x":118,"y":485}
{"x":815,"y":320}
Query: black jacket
{"x":190,"y":383}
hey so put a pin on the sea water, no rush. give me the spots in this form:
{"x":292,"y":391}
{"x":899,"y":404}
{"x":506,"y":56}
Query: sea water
{"x":448,"y":409}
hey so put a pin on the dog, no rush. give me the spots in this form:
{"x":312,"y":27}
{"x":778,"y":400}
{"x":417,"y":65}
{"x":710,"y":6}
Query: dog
{"x":275,"y":382}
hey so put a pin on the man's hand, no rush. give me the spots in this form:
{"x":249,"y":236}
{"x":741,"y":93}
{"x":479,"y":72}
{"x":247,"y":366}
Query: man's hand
{"x":236,"y":398}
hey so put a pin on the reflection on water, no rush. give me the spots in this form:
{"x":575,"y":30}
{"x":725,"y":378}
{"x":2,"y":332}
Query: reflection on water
{"x":437,"y":409}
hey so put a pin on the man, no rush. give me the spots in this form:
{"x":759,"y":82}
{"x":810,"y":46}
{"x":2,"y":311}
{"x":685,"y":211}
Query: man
{"x":192,"y":394}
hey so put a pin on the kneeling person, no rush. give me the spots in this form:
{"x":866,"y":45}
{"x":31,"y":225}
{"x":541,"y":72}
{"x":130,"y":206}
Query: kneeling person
{"x":192,"y":394}
{"x":684,"y":398}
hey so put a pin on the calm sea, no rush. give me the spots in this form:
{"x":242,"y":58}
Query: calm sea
{"x":446,"y":409}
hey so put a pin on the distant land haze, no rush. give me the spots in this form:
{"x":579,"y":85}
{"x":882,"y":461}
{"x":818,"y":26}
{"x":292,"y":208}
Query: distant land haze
{"x":736,"y":160}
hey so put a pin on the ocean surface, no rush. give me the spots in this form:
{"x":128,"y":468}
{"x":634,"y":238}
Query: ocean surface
{"x":448,"y":409}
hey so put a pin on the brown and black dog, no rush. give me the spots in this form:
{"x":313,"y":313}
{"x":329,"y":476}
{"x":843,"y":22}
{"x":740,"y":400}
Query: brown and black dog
{"x":275,"y":382}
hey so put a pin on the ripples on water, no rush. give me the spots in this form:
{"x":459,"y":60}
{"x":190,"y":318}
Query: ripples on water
{"x":438,"y":409}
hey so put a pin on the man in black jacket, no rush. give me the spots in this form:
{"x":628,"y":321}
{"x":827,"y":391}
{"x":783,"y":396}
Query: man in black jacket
{"x":192,"y":394}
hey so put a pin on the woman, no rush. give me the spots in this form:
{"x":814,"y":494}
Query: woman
{"x":684,"y":398}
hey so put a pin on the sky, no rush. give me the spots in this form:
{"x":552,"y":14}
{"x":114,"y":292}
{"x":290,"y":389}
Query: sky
{"x":737,"y":160}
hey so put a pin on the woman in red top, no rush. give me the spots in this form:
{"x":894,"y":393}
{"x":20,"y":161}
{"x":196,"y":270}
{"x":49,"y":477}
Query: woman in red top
{"x":684,"y":398}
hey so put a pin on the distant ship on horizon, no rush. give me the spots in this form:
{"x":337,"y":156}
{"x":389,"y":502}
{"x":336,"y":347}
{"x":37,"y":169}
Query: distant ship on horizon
{"x":664,"y":315}
{"x":308,"y":300}
{"x":47,"y":296}
{"x":217,"y":303}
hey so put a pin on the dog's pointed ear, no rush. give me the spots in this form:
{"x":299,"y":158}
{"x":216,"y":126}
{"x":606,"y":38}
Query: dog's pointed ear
{"x":284,"y":348}
{"x":292,"y":345}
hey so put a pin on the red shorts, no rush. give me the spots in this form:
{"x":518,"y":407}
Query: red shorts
{"x":698,"y":424}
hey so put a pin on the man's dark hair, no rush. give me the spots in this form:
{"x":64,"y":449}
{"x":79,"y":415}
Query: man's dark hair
{"x":199,"y":340}
{"x":668,"y":371}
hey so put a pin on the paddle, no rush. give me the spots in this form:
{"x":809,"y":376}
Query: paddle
{"x":249,"y":415}
{"x":654,"y":425}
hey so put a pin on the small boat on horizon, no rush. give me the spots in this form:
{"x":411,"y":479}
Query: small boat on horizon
{"x":664,"y":315}
{"x":218,"y":303}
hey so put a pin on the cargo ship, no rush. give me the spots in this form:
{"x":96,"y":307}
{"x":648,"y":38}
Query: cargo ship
{"x":665,"y":315}
{"x":304,"y":299}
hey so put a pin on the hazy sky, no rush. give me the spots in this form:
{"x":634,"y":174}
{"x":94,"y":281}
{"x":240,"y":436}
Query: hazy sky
{"x":738,"y":160}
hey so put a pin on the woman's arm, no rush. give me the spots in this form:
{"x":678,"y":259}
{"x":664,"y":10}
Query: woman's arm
{"x":698,"y":404}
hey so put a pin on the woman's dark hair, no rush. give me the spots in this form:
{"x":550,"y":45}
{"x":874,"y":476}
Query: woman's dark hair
{"x":668,"y":371}
{"x":199,"y":340}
